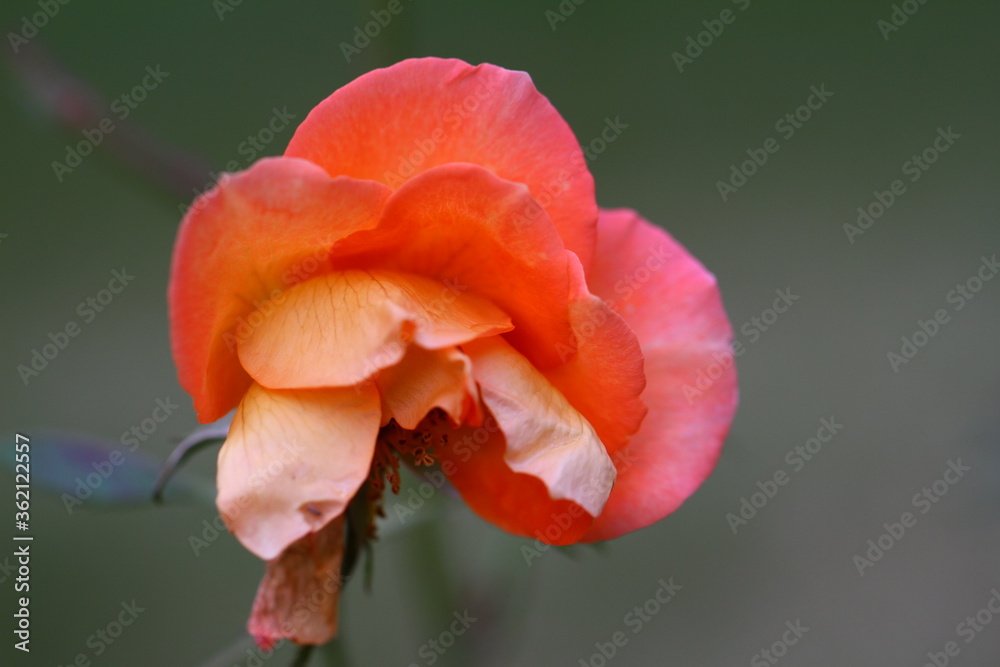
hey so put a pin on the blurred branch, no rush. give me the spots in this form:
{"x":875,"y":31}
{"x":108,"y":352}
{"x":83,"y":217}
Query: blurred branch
{"x":73,"y":105}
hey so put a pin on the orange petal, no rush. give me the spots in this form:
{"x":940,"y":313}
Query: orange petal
{"x":673,"y":305}
{"x":392,"y":124}
{"x":299,"y":595}
{"x":473,"y":459}
{"x":546,"y":437}
{"x":428,"y":379}
{"x":603,"y":375}
{"x":459,"y":225}
{"x":256,"y":234}
{"x":339,"y":329}
{"x":292,"y":462}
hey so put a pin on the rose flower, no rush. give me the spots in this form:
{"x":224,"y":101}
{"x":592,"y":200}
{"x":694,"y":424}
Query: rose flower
{"x":425,"y":277}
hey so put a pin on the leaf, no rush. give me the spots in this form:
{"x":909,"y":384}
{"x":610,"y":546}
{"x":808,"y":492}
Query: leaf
{"x":89,"y":470}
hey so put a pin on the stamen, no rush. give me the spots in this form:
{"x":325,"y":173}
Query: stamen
{"x":417,"y":446}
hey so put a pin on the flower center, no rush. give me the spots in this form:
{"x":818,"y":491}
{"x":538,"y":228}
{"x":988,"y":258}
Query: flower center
{"x":416,"y":447}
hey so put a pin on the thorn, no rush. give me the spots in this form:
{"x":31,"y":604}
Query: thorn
{"x":188,"y":446}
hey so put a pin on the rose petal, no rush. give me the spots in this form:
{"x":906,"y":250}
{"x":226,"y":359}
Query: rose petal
{"x":428,"y":379}
{"x":673,"y":305}
{"x":546,"y":437}
{"x":298,"y":599}
{"x":341,"y":328}
{"x":292,"y":462}
{"x":459,"y":225}
{"x":257,"y":233}
{"x":473,"y":459}
{"x":603,"y":376}
{"x":392,"y":124}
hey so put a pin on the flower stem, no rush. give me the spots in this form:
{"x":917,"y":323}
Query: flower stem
{"x":335,"y":654}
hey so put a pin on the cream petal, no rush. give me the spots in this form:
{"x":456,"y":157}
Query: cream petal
{"x":339,"y":329}
{"x":293,"y":460}
{"x":428,"y":379}
{"x":546,"y":437}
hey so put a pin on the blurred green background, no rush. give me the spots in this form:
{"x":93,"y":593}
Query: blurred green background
{"x":826,"y":357}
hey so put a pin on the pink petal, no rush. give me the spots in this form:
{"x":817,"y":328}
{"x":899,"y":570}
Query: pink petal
{"x":673,"y":305}
{"x":299,"y":595}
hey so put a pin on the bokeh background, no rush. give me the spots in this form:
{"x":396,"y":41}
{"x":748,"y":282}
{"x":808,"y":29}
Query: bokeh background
{"x":824,"y":358}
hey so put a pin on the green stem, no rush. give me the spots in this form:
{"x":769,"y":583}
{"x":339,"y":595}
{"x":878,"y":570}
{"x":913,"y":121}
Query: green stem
{"x":335,"y":654}
{"x":302,"y":656}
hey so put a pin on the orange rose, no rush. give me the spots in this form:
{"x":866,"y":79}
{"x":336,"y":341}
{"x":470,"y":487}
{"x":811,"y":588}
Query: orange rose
{"x":425,"y":276}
